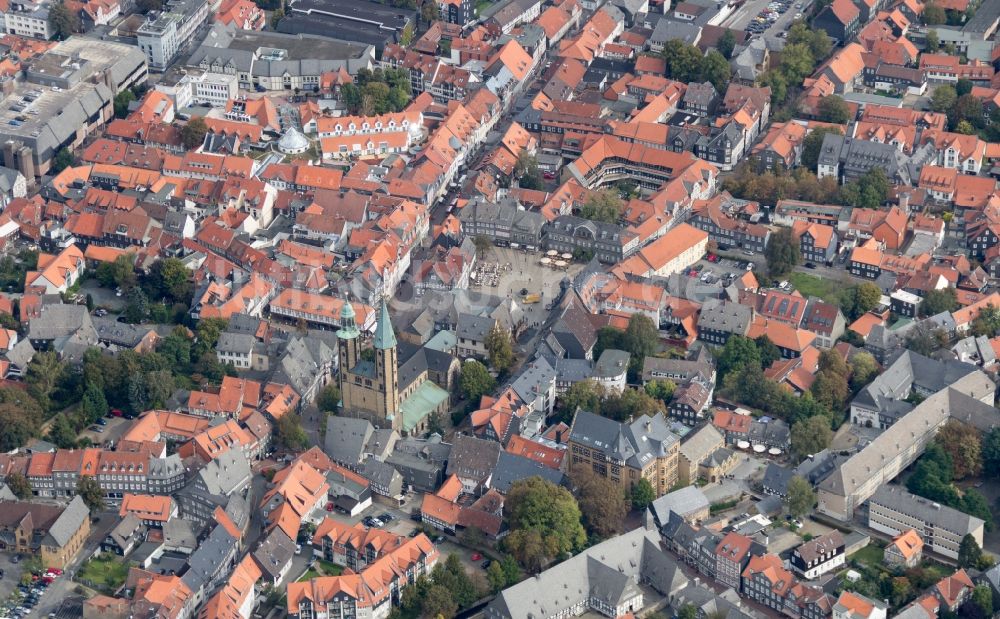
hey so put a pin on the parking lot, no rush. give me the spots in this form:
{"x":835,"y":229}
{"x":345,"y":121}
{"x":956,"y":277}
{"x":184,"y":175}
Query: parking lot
{"x":11,"y":575}
{"x":113,"y":430}
{"x":771,"y":16}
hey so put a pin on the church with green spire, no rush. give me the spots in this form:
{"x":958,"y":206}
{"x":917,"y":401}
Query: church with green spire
{"x":370,"y":385}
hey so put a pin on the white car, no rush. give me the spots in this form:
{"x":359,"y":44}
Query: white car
{"x":298,"y":549}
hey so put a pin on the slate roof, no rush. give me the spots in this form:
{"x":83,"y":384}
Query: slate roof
{"x":511,"y":468}
{"x":473,"y":458}
{"x":274,"y":553}
{"x":635,"y":443}
{"x":346,"y":438}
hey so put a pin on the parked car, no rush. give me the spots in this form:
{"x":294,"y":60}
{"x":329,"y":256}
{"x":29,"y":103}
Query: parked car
{"x":385,"y":517}
{"x":298,"y":549}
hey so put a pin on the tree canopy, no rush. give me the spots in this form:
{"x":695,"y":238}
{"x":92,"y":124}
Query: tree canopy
{"x":475,"y":381}
{"x":545,"y":523}
{"x":601,"y":501}
{"x":193,"y":133}
{"x":603,"y":205}
{"x":811,"y":436}
{"x":782,"y":252}
{"x":800,"y":498}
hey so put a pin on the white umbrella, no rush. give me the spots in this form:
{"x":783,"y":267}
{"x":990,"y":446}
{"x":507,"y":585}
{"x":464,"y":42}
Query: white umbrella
{"x":759,"y":449}
{"x":560,"y":264}
{"x":545,"y":260}
{"x":742,"y":444}
{"x":774,"y":451}
{"x":552,"y":253}
{"x":567,"y":256}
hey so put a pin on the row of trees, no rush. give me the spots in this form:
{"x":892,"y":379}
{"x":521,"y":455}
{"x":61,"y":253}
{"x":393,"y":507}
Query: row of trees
{"x":591,"y":396}
{"x":768,"y":187}
{"x":964,"y":110}
{"x":162,"y":295}
{"x":448,"y":589}
{"x":955,"y":454}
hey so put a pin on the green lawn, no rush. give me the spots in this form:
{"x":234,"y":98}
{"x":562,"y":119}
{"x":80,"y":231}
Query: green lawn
{"x":109,"y":570}
{"x":328,"y":568}
{"x":829,"y":290}
{"x":870,"y":555}
{"x":309,"y":575}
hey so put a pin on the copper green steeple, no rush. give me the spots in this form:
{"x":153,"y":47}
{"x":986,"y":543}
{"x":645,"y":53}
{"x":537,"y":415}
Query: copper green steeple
{"x":348,"y":326}
{"x":384,"y":336}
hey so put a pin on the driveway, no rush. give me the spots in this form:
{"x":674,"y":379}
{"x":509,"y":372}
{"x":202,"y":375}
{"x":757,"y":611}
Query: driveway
{"x":103,"y":297}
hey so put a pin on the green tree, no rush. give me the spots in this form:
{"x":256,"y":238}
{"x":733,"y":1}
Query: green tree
{"x":660,"y":389}
{"x":526,"y":171}
{"x":43,"y":377}
{"x":193,"y":133}
{"x":932,"y":41}
{"x":937,"y":301}
{"x":629,"y":403}
{"x":328,"y":398}
{"x":801,"y":497}
{"x":833,"y":109}
{"x":586,"y":394}
{"x":276,"y":17}
{"x":683,"y":60}
{"x":438,"y":602}
{"x":769,"y":353}
{"x":726,"y":44}
{"x":136,"y":305}
{"x":797,"y":62}
{"x":776,"y":81}
{"x":969,"y":552}
{"x":739,"y":351}
{"x":943,"y":98}
{"x":831,"y":387}
{"x":170,"y":278}
{"x":406,"y":37}
{"x":544,"y":520}
{"x":782,"y":252}
{"x":864,"y":369}
{"x":820,"y":45}
{"x":987,"y":322}
{"x":715,"y":69}
{"x":601,"y":502}
{"x":982,"y":598}
{"x":483,"y":245}
{"x":812,"y":145}
{"x":207,"y":334}
{"x":475,"y":381}
{"x":991,"y":453}
{"x":961,"y":443}
{"x":498,"y":347}
{"x":496,"y":577}
{"x":290,"y":432}
{"x":90,"y":491}
{"x":642,"y":494}
{"x":62,"y":160}
{"x":861,"y":299}
{"x":94,"y":405}
{"x":120,"y":273}
{"x":688,"y":611}
{"x":429,"y":12}
{"x":963,"y":87}
{"x":62,"y":434}
{"x":975,"y":504}
{"x":811,"y":436}
{"x":603,"y":205}
{"x":934,"y":15}
{"x":63,"y":21}
{"x":967,"y":108}
{"x":19,"y":485}
{"x":121,"y":102}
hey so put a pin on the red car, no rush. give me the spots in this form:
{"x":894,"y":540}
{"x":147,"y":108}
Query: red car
{"x":116,"y":412}
{"x":329,"y":507}
{"x":476,"y":556}
{"x":548,"y":175}
{"x":56,"y":571}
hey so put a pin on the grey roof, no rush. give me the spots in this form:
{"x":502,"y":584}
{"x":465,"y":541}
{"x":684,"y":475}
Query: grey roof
{"x":474,"y":328}
{"x":8,"y":177}
{"x":235,"y":343}
{"x":667,"y":30}
{"x":511,"y":468}
{"x":119,"y":333}
{"x":683,"y":502}
{"x":346,"y":439}
{"x":898,"y":499}
{"x":635,"y":444}
{"x":605,"y":572}
{"x":612,"y":363}
{"x":725,"y":316}
{"x":679,"y":370}
{"x":211,"y":555}
{"x":700,"y":444}
{"x":536,"y":378}
{"x":60,"y":321}
{"x":20,"y":355}
{"x":125,"y":529}
{"x":573,"y":370}
{"x":959,"y":400}
{"x":379,"y":473}
{"x":227,"y":473}
{"x":909,"y":371}
{"x":274,"y":552}
{"x":473,"y":458}
{"x":69,"y":521}
{"x":179,"y":533}
{"x":302,"y":362}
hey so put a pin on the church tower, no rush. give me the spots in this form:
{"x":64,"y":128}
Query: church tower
{"x":348,"y":337}
{"x":386,"y":373}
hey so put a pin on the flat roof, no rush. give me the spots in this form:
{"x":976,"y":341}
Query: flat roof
{"x":298,"y":46}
